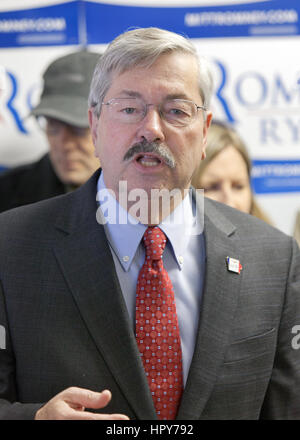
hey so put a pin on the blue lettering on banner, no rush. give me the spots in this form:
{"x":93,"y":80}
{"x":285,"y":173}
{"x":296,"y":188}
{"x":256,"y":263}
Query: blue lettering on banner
{"x":273,"y":100}
{"x":45,"y":26}
{"x":276,"y":176}
{"x":10,"y":104}
{"x":87,"y":22}
{"x":280,"y":87}
{"x":262,"y":87}
{"x":265,"y":18}
{"x":219,"y":93}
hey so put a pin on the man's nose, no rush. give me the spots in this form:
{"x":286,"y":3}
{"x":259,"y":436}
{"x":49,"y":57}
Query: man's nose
{"x":151,"y":127}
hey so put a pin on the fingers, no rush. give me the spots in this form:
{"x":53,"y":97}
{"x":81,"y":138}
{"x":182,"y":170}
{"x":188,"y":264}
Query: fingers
{"x":85,"y":415}
{"x":86,"y":398}
{"x":70,"y":404}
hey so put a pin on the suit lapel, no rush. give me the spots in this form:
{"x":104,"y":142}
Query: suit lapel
{"x":220,"y":296}
{"x":86,"y":262}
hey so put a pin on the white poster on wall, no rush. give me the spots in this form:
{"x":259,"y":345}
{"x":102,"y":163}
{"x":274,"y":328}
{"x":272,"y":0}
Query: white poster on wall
{"x":258,"y":92}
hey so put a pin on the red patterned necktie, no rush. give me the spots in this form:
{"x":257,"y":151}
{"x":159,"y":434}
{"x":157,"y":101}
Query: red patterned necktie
{"x":157,"y":330}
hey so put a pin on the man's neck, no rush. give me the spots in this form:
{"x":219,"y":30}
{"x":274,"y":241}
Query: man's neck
{"x":151,"y":208}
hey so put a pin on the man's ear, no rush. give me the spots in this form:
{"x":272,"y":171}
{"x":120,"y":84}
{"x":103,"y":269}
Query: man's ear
{"x":206,"y":125}
{"x":93,"y":123}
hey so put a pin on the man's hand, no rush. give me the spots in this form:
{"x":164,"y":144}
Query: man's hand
{"x":70,"y":404}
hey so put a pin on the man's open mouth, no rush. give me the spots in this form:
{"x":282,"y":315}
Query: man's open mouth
{"x":148,"y":160}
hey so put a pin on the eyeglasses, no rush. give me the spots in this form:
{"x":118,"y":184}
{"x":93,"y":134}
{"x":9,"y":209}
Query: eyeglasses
{"x":177,"y":112}
{"x":54,"y":127}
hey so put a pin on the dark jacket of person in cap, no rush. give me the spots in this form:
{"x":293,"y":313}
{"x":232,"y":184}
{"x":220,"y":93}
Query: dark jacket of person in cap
{"x":28,"y":184}
{"x":64,"y":101}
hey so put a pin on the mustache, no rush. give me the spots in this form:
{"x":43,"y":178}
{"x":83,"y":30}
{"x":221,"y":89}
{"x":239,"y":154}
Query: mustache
{"x":151,"y":147}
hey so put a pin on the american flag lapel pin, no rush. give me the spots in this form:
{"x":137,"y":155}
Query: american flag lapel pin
{"x":233,"y":265}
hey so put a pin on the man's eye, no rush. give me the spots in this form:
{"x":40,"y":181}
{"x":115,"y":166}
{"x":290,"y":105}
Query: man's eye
{"x":177,"y":112}
{"x":129,"y":110}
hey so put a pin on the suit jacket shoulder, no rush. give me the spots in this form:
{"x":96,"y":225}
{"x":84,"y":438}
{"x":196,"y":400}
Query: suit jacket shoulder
{"x":246,"y":226}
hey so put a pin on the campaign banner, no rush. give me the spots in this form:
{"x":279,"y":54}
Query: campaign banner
{"x":270,"y":176}
{"x":100,"y":22}
{"x":258,"y":93}
{"x":238,"y":19}
{"x":41,"y":26}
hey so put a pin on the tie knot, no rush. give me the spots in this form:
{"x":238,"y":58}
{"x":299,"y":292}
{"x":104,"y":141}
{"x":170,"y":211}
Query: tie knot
{"x":155,"y":242}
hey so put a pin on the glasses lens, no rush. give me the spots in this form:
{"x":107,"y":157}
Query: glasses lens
{"x":126,"y":110}
{"x":178,"y":111}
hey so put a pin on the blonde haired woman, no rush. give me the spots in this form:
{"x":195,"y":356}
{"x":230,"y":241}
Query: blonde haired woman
{"x":225,"y":172}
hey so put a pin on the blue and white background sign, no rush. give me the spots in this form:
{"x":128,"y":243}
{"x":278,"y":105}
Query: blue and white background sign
{"x":43,"y":26}
{"x":253,"y":48}
{"x":234,"y":19}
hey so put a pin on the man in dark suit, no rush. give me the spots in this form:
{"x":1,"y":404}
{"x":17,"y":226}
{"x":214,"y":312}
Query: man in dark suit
{"x":95,"y":323}
{"x":62,"y":113}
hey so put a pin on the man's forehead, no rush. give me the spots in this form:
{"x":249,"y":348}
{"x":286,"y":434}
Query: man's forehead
{"x":168,"y":80}
{"x":162,"y":61}
{"x":135,"y":94}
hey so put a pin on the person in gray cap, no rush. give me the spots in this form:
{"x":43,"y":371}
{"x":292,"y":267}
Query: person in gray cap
{"x":62,"y":114}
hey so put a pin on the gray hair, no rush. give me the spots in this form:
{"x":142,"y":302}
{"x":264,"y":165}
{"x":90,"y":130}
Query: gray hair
{"x":142,"y":47}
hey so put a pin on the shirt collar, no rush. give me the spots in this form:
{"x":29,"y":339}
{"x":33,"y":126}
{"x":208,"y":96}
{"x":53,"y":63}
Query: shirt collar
{"x":178,"y":227}
{"x":120,"y":225}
